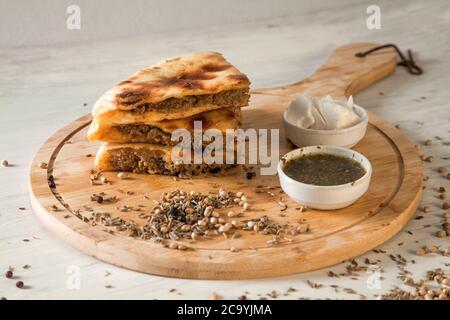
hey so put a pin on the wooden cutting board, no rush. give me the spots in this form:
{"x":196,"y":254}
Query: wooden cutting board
{"x":334,"y":236}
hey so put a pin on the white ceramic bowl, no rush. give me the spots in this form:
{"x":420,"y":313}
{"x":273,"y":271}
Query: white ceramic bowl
{"x":325,"y":197}
{"x":346,"y":137}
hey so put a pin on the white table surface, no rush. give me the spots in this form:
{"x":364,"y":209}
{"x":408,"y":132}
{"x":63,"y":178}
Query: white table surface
{"x":43,"y":88}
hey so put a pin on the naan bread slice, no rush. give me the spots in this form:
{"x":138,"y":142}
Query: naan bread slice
{"x":160,"y":132}
{"x":175,"y":88}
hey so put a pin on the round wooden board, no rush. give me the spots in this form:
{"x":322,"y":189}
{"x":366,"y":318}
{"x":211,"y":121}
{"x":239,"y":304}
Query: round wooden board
{"x":392,"y":198}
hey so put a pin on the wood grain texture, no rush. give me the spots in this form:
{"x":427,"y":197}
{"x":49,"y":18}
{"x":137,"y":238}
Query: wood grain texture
{"x":335,"y":236}
{"x":273,"y":51}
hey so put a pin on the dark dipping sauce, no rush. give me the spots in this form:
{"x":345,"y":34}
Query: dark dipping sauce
{"x":323,"y":169}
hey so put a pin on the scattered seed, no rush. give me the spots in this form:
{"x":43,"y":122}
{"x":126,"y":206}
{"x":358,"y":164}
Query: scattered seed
{"x":441,"y":189}
{"x":250,"y":175}
{"x":282,"y":205}
{"x":426,"y":209}
{"x":225,"y":228}
{"x":42,"y":165}
{"x":420,"y":252}
{"x":19,"y":284}
{"x":429,"y":159}
{"x":441,"y":234}
{"x":428,"y":142}
{"x":188,"y":216}
{"x":173,"y":245}
{"x":103,"y":198}
{"x":185,"y":228}
{"x":442,"y":170}
{"x":216,"y":296}
{"x":445,"y":205}
{"x":9,"y":274}
{"x":122,"y":175}
{"x":232,"y":214}
{"x":5,"y":163}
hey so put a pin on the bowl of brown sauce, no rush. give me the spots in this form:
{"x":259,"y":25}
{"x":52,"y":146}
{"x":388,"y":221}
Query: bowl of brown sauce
{"x":324,"y":177}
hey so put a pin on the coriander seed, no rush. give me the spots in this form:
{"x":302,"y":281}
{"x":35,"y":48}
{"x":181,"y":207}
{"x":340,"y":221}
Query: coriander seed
{"x":19,"y":284}
{"x":122,"y":175}
{"x":5,"y":163}
{"x":9,"y":274}
{"x":173,"y":245}
{"x":185,"y":228}
{"x":420,"y":252}
{"x":441,"y":234}
{"x":216,"y":296}
{"x":42,"y":165}
{"x":215,"y":214}
{"x":208,"y":211}
{"x":231,"y":214}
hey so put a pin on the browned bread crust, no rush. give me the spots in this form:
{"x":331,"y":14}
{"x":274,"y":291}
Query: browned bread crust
{"x":173,"y":89}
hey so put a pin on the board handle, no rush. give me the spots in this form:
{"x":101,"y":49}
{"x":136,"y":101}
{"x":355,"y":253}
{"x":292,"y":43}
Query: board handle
{"x":343,"y":73}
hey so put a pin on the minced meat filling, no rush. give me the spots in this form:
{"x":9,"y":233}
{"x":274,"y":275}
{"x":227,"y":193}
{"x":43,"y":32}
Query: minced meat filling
{"x":144,"y":161}
{"x":225,"y":99}
{"x":149,"y":134}
{"x":145,"y":133}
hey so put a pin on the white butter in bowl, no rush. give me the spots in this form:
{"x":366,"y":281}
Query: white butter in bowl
{"x":324,"y":121}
